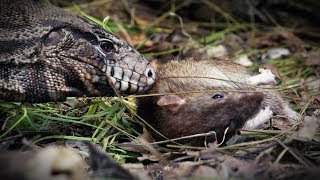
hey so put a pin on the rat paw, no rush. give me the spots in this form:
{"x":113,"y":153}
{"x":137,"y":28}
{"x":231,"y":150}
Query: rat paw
{"x":262,"y":117}
{"x":265,"y":77}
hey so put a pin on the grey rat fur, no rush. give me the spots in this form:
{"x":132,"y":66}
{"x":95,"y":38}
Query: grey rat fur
{"x":192,"y":113}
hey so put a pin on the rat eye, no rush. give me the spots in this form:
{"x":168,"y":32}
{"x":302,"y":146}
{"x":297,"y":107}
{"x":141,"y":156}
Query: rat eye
{"x":107,"y":46}
{"x":217,"y":96}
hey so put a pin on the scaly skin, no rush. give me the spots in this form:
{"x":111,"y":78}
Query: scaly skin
{"x":47,"y":54}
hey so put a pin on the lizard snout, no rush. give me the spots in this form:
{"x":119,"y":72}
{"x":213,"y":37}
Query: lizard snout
{"x":129,"y":76}
{"x":151,"y":76}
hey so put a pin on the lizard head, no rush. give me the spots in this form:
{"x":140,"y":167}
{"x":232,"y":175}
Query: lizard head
{"x":96,"y":59}
{"x":49,"y":54}
{"x":127,"y":70}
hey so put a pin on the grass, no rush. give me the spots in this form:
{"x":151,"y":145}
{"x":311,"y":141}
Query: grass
{"x":106,"y":120}
{"x":215,"y":36}
{"x":99,"y":118}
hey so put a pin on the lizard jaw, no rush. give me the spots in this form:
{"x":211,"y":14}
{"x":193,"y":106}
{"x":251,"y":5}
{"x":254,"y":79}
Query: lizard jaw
{"x":132,"y":82}
{"x":127,"y":87}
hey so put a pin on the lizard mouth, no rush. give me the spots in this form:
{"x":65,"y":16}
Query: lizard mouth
{"x":130,"y":73}
{"x":130,"y":82}
{"x":127,"y":87}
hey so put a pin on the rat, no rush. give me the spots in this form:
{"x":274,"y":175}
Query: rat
{"x":182,"y":112}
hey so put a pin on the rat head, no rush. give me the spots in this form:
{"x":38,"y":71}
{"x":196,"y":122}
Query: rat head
{"x":175,"y":116}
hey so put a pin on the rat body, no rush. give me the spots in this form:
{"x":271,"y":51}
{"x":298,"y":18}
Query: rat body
{"x":182,"y":114}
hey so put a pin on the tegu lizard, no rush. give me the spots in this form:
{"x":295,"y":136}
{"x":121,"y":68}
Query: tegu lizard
{"x":48,"y":54}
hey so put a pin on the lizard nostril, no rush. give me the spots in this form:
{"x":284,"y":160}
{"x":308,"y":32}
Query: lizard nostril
{"x":150,"y":73}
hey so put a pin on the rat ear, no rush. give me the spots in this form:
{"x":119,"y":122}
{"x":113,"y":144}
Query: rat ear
{"x":171,"y":102}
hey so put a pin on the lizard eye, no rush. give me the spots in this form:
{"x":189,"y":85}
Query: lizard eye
{"x":107,"y":46}
{"x":218,"y":96}
{"x":53,"y":37}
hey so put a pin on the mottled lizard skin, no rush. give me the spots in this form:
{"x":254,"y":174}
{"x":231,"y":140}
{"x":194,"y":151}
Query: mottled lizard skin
{"x":47,"y":54}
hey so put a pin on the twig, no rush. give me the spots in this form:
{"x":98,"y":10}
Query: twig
{"x":187,"y":137}
{"x":221,"y":11}
{"x":175,"y":139}
{"x":305,"y":162}
{"x":283,"y":152}
{"x":165,"y":15}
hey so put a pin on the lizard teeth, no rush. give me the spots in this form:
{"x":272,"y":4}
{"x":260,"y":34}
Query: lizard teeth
{"x":133,"y":88}
{"x":117,"y":73}
{"x":140,"y":89}
{"x":124,"y":86}
{"x":134,"y":79}
{"x":128,"y":74}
